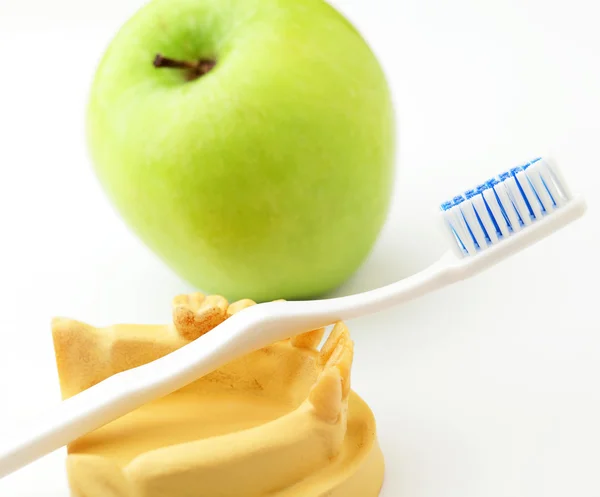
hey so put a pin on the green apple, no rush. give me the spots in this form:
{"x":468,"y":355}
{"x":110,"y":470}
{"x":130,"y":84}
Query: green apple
{"x":249,"y":143}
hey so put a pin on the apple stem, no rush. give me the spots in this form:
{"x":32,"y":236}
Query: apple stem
{"x":195,"y":69}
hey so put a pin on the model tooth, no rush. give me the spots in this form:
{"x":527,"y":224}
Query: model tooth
{"x":341,"y":359}
{"x":238,"y":306}
{"x":326,"y":395}
{"x":339,"y":332}
{"x":197,"y":315}
{"x":308,"y":340}
{"x":193,"y":300}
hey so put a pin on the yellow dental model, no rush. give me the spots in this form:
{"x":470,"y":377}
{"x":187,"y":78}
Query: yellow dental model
{"x":281,"y":421}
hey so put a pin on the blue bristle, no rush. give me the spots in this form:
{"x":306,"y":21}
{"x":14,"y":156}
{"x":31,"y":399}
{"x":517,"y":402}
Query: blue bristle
{"x":487,"y":236}
{"x":460,"y":242}
{"x":471,"y":232}
{"x":526,"y":166}
{"x":446,"y":206}
{"x":480,"y":189}
{"x":503,"y":176}
{"x":492,"y":183}
{"x":473,"y":193}
{"x":536,"y":195}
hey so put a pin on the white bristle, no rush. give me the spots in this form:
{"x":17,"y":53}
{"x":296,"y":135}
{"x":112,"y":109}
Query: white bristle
{"x":505,"y":205}
{"x":552,"y":184}
{"x":518,"y":200}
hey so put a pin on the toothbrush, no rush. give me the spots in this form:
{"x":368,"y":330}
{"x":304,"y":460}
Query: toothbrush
{"x":485,"y":225}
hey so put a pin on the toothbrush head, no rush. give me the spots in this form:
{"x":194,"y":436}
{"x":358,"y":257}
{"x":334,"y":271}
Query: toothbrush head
{"x":525,"y":200}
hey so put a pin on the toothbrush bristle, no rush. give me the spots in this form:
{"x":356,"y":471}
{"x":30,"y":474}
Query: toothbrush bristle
{"x":504,"y":205}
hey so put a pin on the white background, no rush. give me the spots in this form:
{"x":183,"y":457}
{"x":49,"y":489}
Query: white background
{"x":489,"y":388}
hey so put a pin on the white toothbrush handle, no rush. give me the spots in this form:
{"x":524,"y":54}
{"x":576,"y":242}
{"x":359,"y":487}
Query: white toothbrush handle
{"x":245,"y":332}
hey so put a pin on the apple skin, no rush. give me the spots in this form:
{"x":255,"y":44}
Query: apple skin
{"x":268,"y":177}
